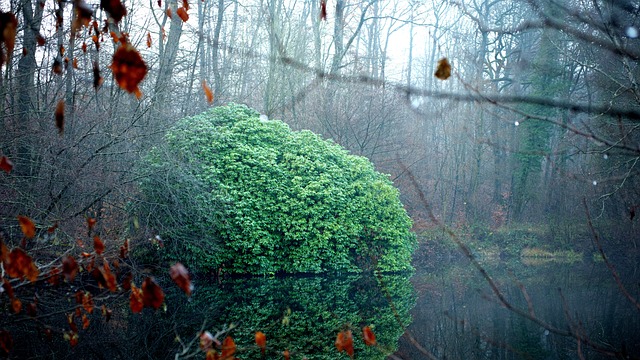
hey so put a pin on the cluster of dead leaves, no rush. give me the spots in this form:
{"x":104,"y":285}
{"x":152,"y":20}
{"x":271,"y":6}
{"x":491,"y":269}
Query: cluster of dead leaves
{"x":19,"y":265}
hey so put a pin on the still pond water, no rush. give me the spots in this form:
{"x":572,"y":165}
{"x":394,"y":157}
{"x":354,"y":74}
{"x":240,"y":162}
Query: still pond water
{"x":449,"y":311}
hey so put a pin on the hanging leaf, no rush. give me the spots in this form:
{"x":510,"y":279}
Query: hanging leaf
{"x":16,"y":305}
{"x":369,"y":336}
{"x":85,"y":321}
{"x":57,"y":66}
{"x":323,"y":10}
{"x":180,"y":276}
{"x":20,"y":265}
{"x":159,"y":3}
{"x":443,"y":71}
{"x":27,"y":226}
{"x":6,"y":341}
{"x":87,"y":302}
{"x":6,"y":164}
{"x":286,"y":354}
{"x":84,"y":47}
{"x":69,"y":267}
{"x":98,"y":245}
{"x":124,"y":249}
{"x":135,"y":299}
{"x":59,"y":116}
{"x":40,"y":39}
{"x":72,"y":337}
{"x":169,"y":13}
{"x":182,"y":12}
{"x":106,"y":313}
{"x":109,"y":277}
{"x":149,"y":41}
{"x":115,"y":9}
{"x":153,"y":296}
{"x":54,"y":276}
{"x":6,"y":285}
{"x":207,"y":92}
{"x":344,"y":342}
{"x":97,"y":79}
{"x":261,"y":341}
{"x":185,"y":4}
{"x":8,"y":27}
{"x":212,"y":355}
{"x":75,"y":63}
{"x":206,"y":341}
{"x":82,"y":15}
{"x":91,"y":222}
{"x":129,"y":69}
{"x":32,"y":309}
{"x":126,"y":282}
{"x":228,"y":348}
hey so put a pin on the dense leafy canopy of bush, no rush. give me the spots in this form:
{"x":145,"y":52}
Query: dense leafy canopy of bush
{"x":270,"y":199}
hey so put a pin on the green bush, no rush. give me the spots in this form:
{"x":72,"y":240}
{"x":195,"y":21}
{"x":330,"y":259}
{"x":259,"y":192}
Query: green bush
{"x":274,"y":200}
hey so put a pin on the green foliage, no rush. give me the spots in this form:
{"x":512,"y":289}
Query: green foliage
{"x":277,"y":200}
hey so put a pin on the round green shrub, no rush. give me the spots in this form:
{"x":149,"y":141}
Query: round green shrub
{"x":273,"y":200}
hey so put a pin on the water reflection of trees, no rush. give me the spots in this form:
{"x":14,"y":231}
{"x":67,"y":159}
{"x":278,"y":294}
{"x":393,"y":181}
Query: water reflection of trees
{"x":457,"y":317}
{"x":302,"y":315}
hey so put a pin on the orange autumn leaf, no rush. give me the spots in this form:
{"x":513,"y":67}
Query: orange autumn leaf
{"x":109,"y":278}
{"x":27,"y":226}
{"x":126,"y":282}
{"x":16,"y":305}
{"x":6,"y":285}
{"x":20,"y":265}
{"x":59,"y":116}
{"x":32,"y":309}
{"x":180,"y":276}
{"x":135,"y":299}
{"x":41,"y":40}
{"x":69,"y":267}
{"x":129,"y":69}
{"x":124,"y":249}
{"x":87,"y":302}
{"x":85,"y":321}
{"x":57,"y":66}
{"x":75,"y":63}
{"x":54,"y":276}
{"x":206,"y":341}
{"x":82,"y":15}
{"x":8,"y":28}
{"x":106,"y":313}
{"x":6,"y":164}
{"x":97,"y":79}
{"x":115,"y":9}
{"x":185,"y":4}
{"x":91,"y":222}
{"x":169,"y":13}
{"x":443,"y":71}
{"x":153,"y":296}
{"x":149,"y":41}
{"x":84,"y":47}
{"x":323,"y":10}
{"x":228,"y":348}
{"x":207,"y":91}
{"x":71,"y":337}
{"x":98,"y":245}
{"x":182,"y":12}
{"x":261,"y":341}
{"x":6,"y":341}
{"x":344,"y":342}
{"x":369,"y":336}
{"x":286,"y":355}
{"x":212,"y":355}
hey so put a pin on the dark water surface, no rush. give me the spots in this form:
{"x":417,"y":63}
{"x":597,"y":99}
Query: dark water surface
{"x":457,"y":316}
{"x":449,"y":310}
